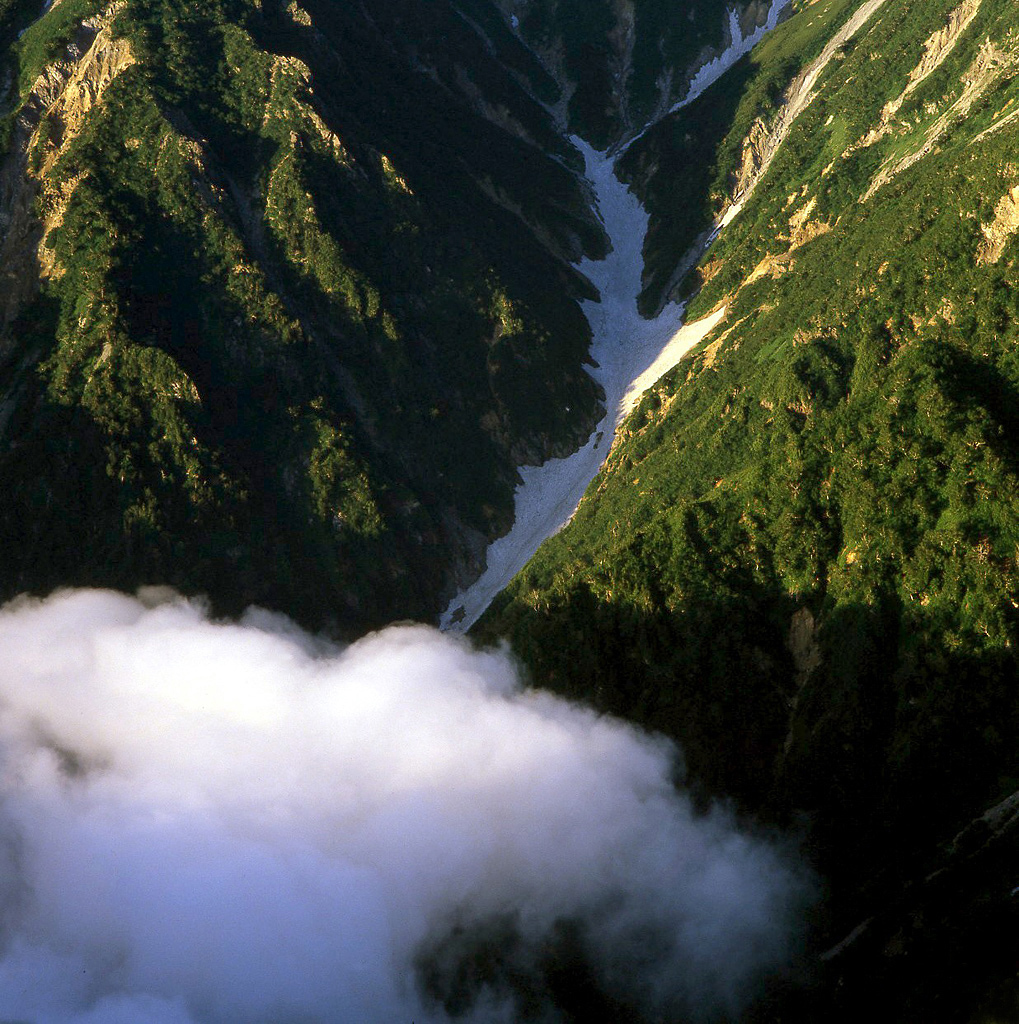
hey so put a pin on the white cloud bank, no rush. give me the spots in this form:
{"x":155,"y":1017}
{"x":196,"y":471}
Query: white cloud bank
{"x":205,"y":823}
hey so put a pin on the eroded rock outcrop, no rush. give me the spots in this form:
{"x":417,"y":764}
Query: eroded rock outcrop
{"x":1001,"y":230}
{"x":51,"y":117}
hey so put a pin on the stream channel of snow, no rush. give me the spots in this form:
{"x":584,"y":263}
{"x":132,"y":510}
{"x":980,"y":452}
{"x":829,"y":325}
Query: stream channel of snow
{"x":631,"y":354}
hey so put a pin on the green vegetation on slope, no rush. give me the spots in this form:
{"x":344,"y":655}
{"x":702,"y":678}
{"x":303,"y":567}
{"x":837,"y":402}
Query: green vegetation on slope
{"x":801,"y":557}
{"x":295,"y":327}
{"x":624,"y":62}
{"x":703,"y":144}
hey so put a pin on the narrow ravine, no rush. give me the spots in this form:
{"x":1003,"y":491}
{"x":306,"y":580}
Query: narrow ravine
{"x":739,"y":46}
{"x":631,"y":353}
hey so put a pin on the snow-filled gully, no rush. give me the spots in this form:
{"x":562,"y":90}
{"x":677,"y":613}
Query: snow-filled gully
{"x":631,"y":355}
{"x":709,"y":73}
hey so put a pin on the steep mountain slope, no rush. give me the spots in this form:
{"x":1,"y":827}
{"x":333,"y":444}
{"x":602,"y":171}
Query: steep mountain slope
{"x":624,"y":63}
{"x":277,"y":315}
{"x":288,"y":294}
{"x":800,"y":560}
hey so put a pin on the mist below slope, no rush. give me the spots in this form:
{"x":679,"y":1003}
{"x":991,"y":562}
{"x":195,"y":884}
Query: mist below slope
{"x":214,"y":823}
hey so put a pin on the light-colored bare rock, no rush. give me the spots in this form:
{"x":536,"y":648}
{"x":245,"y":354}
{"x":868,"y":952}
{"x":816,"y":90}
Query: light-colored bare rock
{"x":52,"y":115}
{"x":1000,"y":231}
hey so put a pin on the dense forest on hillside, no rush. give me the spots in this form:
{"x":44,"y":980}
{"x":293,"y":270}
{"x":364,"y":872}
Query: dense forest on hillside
{"x":289,"y":331}
{"x":803,"y":551}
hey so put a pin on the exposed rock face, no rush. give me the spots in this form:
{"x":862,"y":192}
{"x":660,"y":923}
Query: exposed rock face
{"x":803,"y":644}
{"x":939,"y":46}
{"x":668,"y":267}
{"x":991,"y":64}
{"x":763,"y":141}
{"x":755,"y":154}
{"x":56,"y":109}
{"x":936,"y":50}
{"x":91,"y":75}
{"x":1001,"y":230}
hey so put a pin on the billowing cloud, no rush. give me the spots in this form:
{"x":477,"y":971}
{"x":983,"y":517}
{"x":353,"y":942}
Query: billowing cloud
{"x":204,"y":822}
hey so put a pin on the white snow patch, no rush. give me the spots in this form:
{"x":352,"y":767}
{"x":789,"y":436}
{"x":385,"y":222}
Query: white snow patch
{"x":740,"y":46}
{"x":712,"y":71}
{"x":731,"y":214}
{"x":631,"y":353}
{"x":679,"y":344}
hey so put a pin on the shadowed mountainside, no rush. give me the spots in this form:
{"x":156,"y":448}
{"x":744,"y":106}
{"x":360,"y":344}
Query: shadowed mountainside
{"x":800,"y":557}
{"x":279,"y":323}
